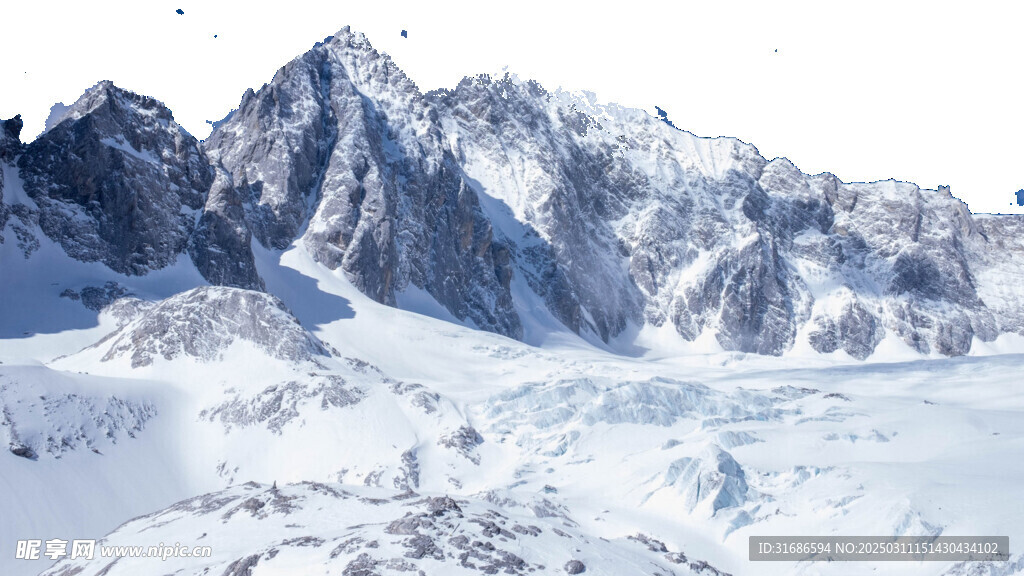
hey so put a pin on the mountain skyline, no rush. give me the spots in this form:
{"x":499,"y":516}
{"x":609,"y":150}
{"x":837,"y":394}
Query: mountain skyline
{"x":617,"y":221}
{"x":914,"y":103}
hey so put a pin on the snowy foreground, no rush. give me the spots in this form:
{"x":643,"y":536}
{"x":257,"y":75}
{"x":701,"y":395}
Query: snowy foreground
{"x":318,"y":432}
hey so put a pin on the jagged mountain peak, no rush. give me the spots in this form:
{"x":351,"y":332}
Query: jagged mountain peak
{"x":342,"y":150}
{"x":117,"y":180}
{"x":501,"y":82}
{"x":120,"y":105}
{"x":348,"y":54}
{"x":106,"y":91}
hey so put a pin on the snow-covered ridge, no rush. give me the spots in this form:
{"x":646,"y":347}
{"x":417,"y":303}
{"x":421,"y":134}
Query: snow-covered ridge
{"x":311,"y":527}
{"x":202,"y":323}
{"x":48,"y":421}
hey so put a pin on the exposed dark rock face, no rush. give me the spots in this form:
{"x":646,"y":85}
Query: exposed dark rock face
{"x":602,"y":239}
{"x":117,"y":181}
{"x":856,"y":330}
{"x":752,"y":293}
{"x":10,"y":138}
{"x":221,"y":245}
{"x":96,"y":298}
{"x":575,"y":567}
{"x":10,"y":147}
{"x":278,"y":405}
{"x":713,"y":237}
{"x":242,"y":566}
{"x":23,"y":451}
{"x":464,"y":441}
{"x":565,"y":244}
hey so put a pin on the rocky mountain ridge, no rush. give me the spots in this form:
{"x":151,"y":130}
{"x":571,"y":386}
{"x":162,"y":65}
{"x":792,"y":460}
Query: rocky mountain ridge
{"x":499,"y":192}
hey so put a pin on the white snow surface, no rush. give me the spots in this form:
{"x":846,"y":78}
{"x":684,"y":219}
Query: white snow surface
{"x":388,"y":407}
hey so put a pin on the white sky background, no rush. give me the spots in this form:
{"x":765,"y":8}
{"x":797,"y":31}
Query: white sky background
{"x":928,"y":92}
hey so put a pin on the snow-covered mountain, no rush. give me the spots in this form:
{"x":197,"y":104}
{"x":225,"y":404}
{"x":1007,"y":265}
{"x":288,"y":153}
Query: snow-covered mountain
{"x":614,"y":218}
{"x":362,"y":329}
{"x":499,"y":192}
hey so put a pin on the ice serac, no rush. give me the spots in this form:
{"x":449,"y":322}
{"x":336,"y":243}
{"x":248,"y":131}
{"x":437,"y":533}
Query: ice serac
{"x":712,"y":477}
{"x":342,"y":150}
{"x":117,"y":181}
